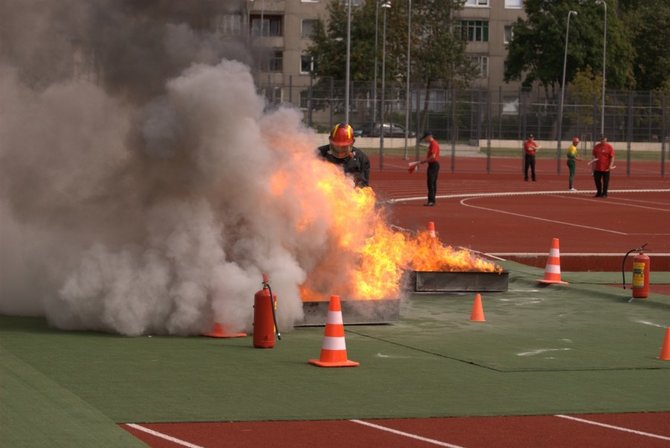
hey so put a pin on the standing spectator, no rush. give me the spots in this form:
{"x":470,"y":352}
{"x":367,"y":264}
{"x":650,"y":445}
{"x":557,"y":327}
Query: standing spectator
{"x":602,"y":163}
{"x":573,"y":156}
{"x":341,"y":151}
{"x":433,"y":161}
{"x":530,"y":146}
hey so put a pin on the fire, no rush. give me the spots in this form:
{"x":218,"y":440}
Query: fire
{"x":364,"y":258}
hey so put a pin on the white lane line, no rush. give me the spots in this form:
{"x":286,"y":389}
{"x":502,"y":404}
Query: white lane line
{"x":553,"y":221}
{"x":406,"y":434}
{"x":618,"y":428}
{"x":163,"y":436}
{"x":524,"y":193}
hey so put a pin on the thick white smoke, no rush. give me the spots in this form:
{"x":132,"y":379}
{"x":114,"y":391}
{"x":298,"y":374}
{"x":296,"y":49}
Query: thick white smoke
{"x":153,"y":214}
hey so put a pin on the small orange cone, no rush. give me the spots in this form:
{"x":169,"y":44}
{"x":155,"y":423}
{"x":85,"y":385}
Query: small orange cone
{"x":431,"y":229}
{"x":665,"y":350}
{"x":477,"y":314}
{"x":219,"y":331}
{"x":333,"y":348}
{"x":552,"y":271}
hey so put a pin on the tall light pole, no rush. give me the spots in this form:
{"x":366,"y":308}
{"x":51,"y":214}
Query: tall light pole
{"x":602,"y":110}
{"x":348,"y":65}
{"x":560,"y":110}
{"x":374,"y":84}
{"x":409,"y":60}
{"x":386,"y":5}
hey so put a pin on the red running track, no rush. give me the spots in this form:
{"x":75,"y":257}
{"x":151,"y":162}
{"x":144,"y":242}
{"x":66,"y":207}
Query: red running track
{"x":643,"y":430}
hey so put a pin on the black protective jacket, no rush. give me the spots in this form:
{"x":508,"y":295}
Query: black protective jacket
{"x":357,"y":166}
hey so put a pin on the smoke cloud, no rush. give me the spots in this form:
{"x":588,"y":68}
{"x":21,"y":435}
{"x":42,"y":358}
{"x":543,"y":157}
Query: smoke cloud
{"x":139,"y":172}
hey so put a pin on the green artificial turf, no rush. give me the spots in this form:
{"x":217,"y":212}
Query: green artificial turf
{"x":542,"y":350}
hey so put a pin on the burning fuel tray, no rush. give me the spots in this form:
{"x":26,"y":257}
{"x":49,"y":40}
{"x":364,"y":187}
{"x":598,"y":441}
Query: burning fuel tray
{"x":437,"y":282}
{"x":354,"y":312}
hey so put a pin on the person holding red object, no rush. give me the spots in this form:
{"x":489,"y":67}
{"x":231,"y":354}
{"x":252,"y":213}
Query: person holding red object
{"x":433,"y":171}
{"x":602,"y":163}
{"x":530,"y":146}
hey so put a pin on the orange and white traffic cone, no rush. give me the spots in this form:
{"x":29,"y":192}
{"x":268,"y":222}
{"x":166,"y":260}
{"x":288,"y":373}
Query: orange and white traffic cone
{"x":334,"y":348}
{"x":552,"y":270}
{"x":220,"y":330}
{"x":431,"y":229}
{"x":665,"y":350}
{"x":477,"y":314}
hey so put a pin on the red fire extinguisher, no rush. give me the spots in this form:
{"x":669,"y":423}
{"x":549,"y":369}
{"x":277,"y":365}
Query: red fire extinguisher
{"x":265,"y":318}
{"x":641,"y":268}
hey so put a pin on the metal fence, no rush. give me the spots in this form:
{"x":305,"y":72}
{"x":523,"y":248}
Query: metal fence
{"x":493,"y":122}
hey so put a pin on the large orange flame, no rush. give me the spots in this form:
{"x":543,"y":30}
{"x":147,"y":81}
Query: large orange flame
{"x":365,"y":257}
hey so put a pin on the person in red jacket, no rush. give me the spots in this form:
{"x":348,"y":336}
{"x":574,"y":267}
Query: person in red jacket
{"x":433,"y":171}
{"x":530,"y":146}
{"x":602,"y":163}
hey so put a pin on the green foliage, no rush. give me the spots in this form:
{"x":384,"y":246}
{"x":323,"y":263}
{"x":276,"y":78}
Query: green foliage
{"x":649,"y":25}
{"x":537,"y":50}
{"x":438,"y":56}
{"x":586,"y":88}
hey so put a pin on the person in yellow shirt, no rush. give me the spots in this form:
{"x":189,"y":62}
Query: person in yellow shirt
{"x":573,"y":156}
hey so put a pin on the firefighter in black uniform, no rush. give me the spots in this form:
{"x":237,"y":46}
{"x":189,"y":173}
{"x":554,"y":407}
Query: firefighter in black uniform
{"x":341,"y":151}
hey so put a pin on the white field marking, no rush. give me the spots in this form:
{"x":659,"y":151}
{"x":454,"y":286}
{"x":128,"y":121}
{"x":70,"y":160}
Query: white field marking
{"x":646,"y":322}
{"x":553,"y":221}
{"x":523,"y":193}
{"x":405,"y":434}
{"x":618,"y":428}
{"x":621,"y":201}
{"x":571,"y":254}
{"x":539,"y":351}
{"x":163,"y":436}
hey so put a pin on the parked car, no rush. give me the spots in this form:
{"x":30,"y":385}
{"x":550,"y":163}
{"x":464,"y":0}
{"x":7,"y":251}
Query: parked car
{"x":374,"y":130}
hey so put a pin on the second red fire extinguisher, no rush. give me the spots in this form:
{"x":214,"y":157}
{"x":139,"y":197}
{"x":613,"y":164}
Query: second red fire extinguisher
{"x":265,"y":318}
{"x":641,"y":269}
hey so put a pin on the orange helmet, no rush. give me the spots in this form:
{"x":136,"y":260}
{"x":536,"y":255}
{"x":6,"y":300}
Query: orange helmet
{"x":342,"y":135}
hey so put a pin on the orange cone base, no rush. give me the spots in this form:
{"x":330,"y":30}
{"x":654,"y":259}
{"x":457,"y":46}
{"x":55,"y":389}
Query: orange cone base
{"x":218,"y":331}
{"x":553,"y":282}
{"x":225,"y":335}
{"x":347,"y":363}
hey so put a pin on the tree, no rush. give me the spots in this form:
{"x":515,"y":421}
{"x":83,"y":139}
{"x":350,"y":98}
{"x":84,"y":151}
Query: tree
{"x":438,"y":54}
{"x":537,"y":50}
{"x":649,"y":25}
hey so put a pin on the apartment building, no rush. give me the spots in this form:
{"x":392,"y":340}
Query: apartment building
{"x":282,"y":28}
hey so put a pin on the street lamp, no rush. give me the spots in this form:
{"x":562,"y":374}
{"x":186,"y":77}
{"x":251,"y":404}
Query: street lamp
{"x":385,"y":5}
{"x":348,"y":65}
{"x":560,"y":111}
{"x":602,"y":111}
{"x":374,"y":84}
{"x":409,"y":41}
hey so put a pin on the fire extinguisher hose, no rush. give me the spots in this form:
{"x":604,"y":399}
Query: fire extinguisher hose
{"x":272,"y":306}
{"x":623,"y":263}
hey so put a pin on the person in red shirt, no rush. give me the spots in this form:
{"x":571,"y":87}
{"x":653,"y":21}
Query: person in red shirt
{"x":433,"y":161}
{"x":530,"y":146}
{"x":602,"y":163}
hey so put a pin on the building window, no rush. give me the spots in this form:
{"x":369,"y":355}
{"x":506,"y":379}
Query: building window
{"x":509,"y":33}
{"x":475,"y":3}
{"x":271,"y":25}
{"x":308,"y":27}
{"x":230,"y":24}
{"x":514,"y":4}
{"x":277,"y":61}
{"x":481,"y":63}
{"x":306,"y":64}
{"x":475,"y":30}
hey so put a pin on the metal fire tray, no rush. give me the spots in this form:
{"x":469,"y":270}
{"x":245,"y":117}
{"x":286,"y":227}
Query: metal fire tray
{"x":460,"y":281}
{"x":354,"y":312}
